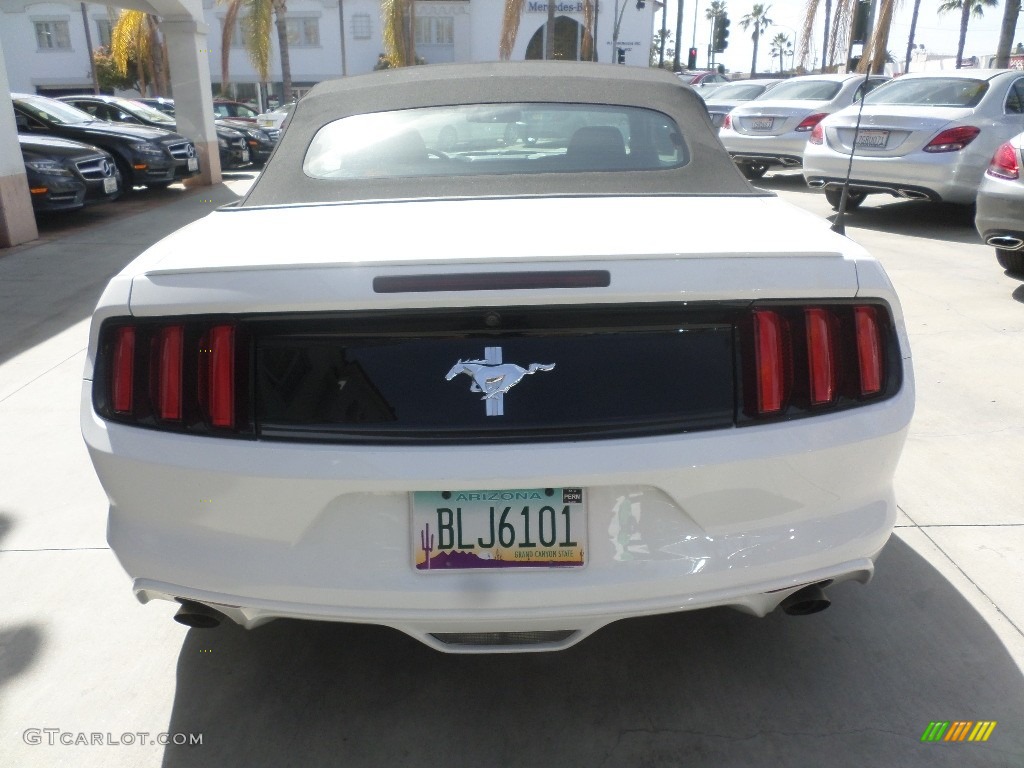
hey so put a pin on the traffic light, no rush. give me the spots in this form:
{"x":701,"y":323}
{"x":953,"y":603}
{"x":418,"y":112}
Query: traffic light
{"x":691,"y":61}
{"x":621,"y":55}
{"x":721,"y":41}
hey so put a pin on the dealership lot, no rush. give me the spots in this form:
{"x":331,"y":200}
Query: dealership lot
{"x":936,"y":636}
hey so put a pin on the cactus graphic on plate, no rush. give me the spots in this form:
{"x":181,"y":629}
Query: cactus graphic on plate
{"x":427,"y":542}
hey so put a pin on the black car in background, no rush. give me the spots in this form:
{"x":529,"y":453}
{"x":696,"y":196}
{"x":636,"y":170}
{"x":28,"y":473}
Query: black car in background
{"x":234,"y":151}
{"x":67,"y":175}
{"x":261,"y":140}
{"x":145,"y":156}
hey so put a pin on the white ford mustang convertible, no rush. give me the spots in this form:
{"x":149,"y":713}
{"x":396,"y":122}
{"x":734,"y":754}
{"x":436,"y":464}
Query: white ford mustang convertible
{"x":520,"y":353}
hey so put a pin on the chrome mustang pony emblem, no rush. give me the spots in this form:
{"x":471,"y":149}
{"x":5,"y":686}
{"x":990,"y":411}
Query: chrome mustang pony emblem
{"x":494,"y":378}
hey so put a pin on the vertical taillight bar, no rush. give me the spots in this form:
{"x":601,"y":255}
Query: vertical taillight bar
{"x":769,"y":361}
{"x":221,"y":376}
{"x":821,"y":364}
{"x":170,"y":342}
{"x":122,"y":375}
{"x":869,"y":350}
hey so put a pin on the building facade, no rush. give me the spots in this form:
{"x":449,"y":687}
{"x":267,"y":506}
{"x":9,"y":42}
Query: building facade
{"x":47,"y":52}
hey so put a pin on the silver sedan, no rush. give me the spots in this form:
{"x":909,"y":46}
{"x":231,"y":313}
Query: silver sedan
{"x":725,"y":98}
{"x":924,"y":136}
{"x":1000,"y":214}
{"x":772,"y":131}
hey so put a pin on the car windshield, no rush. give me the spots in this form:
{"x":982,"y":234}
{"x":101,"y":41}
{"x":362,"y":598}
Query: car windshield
{"x":472,"y":140}
{"x":809,"y":90}
{"x":51,"y":111}
{"x":930,"y":92}
{"x":737,"y":92}
{"x":144,"y":111}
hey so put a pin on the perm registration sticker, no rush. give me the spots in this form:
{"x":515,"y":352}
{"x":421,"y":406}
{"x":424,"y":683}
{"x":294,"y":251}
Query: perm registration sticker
{"x":517,"y":528}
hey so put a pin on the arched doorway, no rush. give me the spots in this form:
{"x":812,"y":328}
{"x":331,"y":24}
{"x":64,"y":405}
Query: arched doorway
{"x":569,"y":41}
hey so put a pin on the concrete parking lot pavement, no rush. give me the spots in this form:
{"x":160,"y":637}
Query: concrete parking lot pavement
{"x":90,"y":678}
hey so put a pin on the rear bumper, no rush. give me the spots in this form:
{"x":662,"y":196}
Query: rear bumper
{"x":737,"y":517}
{"x":1000,"y":211}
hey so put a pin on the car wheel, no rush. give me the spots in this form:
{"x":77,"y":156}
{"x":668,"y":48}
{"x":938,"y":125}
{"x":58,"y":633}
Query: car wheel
{"x":127,"y":177}
{"x":1011,"y":261}
{"x":753,"y":170}
{"x":853,"y":199}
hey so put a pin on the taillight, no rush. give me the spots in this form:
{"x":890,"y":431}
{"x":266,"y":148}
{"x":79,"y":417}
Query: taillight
{"x":809,"y":122}
{"x":770,"y":361}
{"x":821,"y":364}
{"x":807,"y":360}
{"x":168,"y":348}
{"x":817,"y":135}
{"x":869,"y":350}
{"x":727,"y":123}
{"x":220,"y":380}
{"x":1005,"y":162}
{"x":953,"y":139}
{"x":122,"y":374}
{"x":182,"y":375}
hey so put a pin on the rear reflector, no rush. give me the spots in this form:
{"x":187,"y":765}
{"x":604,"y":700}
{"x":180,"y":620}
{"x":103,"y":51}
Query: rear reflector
{"x":869,"y":349}
{"x":122,"y":376}
{"x":769,"y":361}
{"x":169,"y":359}
{"x":820,"y":355}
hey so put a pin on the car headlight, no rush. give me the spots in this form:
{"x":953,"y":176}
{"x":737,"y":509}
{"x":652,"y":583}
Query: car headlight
{"x":222,"y":142}
{"x":145,"y":148}
{"x":255,"y":133}
{"x":48,"y":167}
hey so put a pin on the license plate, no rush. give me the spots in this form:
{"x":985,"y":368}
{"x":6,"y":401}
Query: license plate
{"x":245,"y":155}
{"x":109,"y":185}
{"x":762,"y":123}
{"x":193,"y":163}
{"x":877,"y":139}
{"x":521,"y":528}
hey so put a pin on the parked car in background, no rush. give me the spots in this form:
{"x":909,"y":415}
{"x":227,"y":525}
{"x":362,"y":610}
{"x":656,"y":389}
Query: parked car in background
{"x":923,"y":136}
{"x":703,"y":78}
{"x":67,"y":175}
{"x":771,"y":131}
{"x":145,"y":156}
{"x":235,"y":110}
{"x":159,"y":102}
{"x":1000,"y":213}
{"x":507,"y":437}
{"x":275,"y":118}
{"x":231,"y":143}
{"x":728,"y":96}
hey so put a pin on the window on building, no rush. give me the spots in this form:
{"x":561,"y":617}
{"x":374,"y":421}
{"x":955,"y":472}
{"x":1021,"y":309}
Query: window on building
{"x":52,"y":36}
{"x":303,"y":32}
{"x":241,"y":29}
{"x":361,"y":26}
{"x":435,"y":30}
{"x":103,"y":29}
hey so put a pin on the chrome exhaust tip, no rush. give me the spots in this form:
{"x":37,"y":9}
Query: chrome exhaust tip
{"x":804,"y":602}
{"x":912,"y":194}
{"x":1005,"y":242}
{"x":197,"y":615}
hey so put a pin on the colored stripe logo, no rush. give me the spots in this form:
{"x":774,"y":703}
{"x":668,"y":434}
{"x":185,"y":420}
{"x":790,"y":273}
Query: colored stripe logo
{"x":958,"y":730}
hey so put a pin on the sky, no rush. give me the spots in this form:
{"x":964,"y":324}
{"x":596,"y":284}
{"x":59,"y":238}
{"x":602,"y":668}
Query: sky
{"x":939,"y":32}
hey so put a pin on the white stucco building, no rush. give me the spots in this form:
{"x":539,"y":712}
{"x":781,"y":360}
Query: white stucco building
{"x":46,"y":50}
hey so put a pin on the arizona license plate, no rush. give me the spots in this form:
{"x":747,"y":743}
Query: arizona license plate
{"x":876,"y":139}
{"x":762,"y":123}
{"x":193,"y":163}
{"x":520,"y":528}
{"x":109,"y":185}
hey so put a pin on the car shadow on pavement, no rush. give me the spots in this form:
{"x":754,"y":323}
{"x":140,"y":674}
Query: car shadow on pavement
{"x":50,"y":284}
{"x":856,"y":685}
{"x":19,"y":644}
{"x":934,"y":221}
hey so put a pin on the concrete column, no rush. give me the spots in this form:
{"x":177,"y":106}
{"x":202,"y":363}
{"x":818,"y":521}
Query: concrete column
{"x":17,"y":221}
{"x":193,"y":95}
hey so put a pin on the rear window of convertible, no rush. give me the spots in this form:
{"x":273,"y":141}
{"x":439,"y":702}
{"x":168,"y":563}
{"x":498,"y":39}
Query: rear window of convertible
{"x":471,"y":140}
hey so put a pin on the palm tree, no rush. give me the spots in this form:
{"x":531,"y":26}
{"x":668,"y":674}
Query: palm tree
{"x":758,"y":19}
{"x":781,"y":46}
{"x":910,"y":37}
{"x":837,"y":25}
{"x":512,"y":18}
{"x":966,"y":9}
{"x":876,"y":50}
{"x":257,"y":18}
{"x":1011,"y":12}
{"x":136,"y":37}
